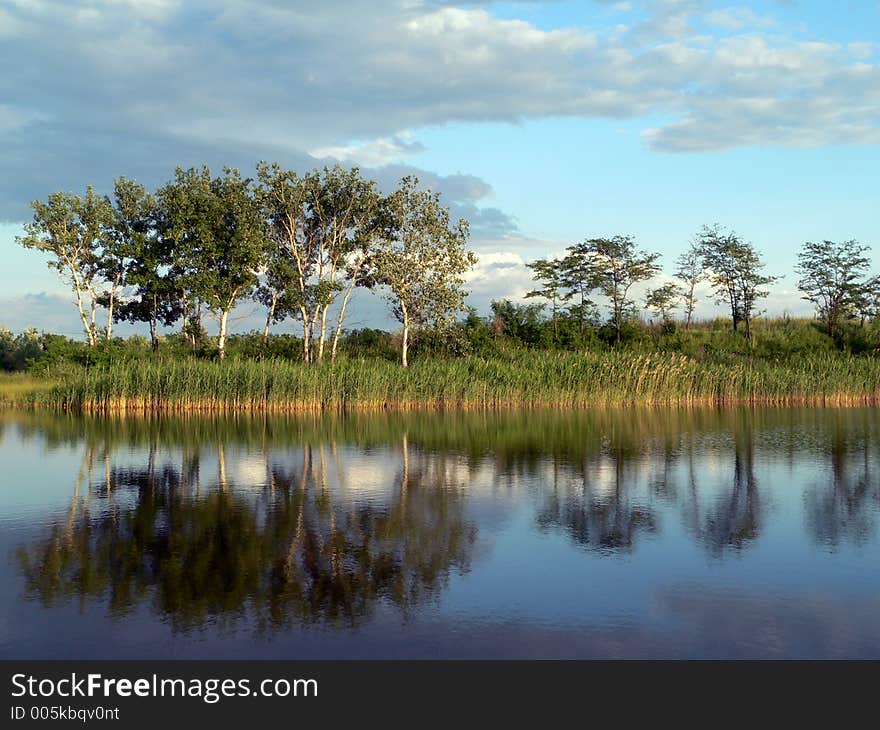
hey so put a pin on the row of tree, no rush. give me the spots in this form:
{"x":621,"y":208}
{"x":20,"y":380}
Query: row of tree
{"x":299,"y":244}
{"x":834,"y":276}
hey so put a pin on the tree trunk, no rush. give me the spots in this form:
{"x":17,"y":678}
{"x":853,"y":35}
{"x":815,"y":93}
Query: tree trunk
{"x":111,"y":305}
{"x":269,"y":316}
{"x":306,"y":331}
{"x":93,"y":327}
{"x":221,"y":339}
{"x":154,"y":326}
{"x":338,"y":331}
{"x":405,"y":346}
{"x":323,"y":337}
{"x":690,"y":308}
{"x":109,"y":332}
{"x":85,"y":318}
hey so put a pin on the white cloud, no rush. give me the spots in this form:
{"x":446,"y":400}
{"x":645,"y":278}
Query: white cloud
{"x":145,"y":81}
{"x":374,"y":152}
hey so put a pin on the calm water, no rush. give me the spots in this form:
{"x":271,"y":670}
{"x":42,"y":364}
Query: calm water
{"x":623,"y":533}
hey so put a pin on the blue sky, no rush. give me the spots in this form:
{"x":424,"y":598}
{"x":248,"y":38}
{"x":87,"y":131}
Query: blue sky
{"x":542,"y":122}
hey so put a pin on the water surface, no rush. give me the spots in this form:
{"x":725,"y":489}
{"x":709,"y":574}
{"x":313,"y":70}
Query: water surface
{"x":605,"y":533}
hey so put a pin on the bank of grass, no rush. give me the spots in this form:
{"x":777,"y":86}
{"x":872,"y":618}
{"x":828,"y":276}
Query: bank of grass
{"x":531,"y":379}
{"x":17,"y":388}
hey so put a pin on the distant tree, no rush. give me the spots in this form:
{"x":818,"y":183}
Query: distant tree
{"x":73,"y":230}
{"x":518,"y":321}
{"x":618,"y":265}
{"x":832,"y":278}
{"x":218,"y":233}
{"x":690,"y":272}
{"x":549,"y":273}
{"x":578,"y":276}
{"x":421,"y":258}
{"x":733,"y":268}
{"x":867,"y":300}
{"x":663,"y":300}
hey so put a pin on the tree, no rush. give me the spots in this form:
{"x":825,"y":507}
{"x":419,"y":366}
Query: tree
{"x":617,"y":265}
{"x":152,"y":295}
{"x":518,"y":321}
{"x":218,"y":234}
{"x":734,"y":270}
{"x":341,"y":226}
{"x":283,"y":198}
{"x":867,"y":300}
{"x":72,"y":229}
{"x":690,"y":272}
{"x":664,"y":299}
{"x":550,"y":273}
{"x":578,"y":276}
{"x":275,"y":285}
{"x":832,"y":278}
{"x":421,"y":258}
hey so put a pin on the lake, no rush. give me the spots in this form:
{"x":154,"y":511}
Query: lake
{"x":603,"y":533}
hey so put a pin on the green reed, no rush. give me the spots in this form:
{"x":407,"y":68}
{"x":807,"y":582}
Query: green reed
{"x":559,"y":379}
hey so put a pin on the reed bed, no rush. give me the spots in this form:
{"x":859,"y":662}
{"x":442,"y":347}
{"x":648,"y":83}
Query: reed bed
{"x":21,"y":387}
{"x":562,"y":380}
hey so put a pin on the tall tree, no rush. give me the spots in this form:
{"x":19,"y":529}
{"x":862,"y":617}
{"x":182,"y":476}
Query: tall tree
{"x":549,"y":273}
{"x":341,"y":223}
{"x":152,"y":296}
{"x":618,"y":265}
{"x":73,"y":230}
{"x":832,"y":277}
{"x":690,"y":272}
{"x":733,"y":268}
{"x":283,"y":198}
{"x":578,"y":276}
{"x":421,"y":258}
{"x":219,"y":236}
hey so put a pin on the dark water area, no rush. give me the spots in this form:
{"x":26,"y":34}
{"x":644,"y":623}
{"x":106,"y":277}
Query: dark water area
{"x":605,"y":533}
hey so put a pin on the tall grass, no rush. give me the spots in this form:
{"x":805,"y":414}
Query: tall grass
{"x":21,"y":387}
{"x":536,"y":379}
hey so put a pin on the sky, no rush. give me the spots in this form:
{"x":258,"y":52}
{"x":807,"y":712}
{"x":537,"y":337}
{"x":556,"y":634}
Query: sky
{"x":543,"y":123}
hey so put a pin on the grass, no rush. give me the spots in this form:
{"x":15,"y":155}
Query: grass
{"x":22,"y":388}
{"x":557,"y":379}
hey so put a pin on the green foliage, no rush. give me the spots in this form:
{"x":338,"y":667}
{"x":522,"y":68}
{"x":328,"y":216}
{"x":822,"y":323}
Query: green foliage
{"x":833,"y":277}
{"x":734,"y":268}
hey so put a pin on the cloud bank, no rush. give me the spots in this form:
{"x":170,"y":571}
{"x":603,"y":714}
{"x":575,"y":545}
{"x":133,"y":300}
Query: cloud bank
{"x":104,"y":87}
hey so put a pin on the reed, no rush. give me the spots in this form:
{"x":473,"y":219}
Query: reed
{"x":22,"y":387}
{"x":557,"y":379}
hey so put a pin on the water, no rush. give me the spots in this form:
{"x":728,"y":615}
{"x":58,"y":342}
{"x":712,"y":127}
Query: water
{"x":607,"y":533}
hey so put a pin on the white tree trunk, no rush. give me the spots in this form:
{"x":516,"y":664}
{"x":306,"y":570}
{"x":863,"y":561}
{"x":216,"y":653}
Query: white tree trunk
{"x":221,"y":339}
{"x":405,"y":347}
{"x":339,"y":320}
{"x":269,"y":316}
{"x":323,"y":337}
{"x":306,"y":331}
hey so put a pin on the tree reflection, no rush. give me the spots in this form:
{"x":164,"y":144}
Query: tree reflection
{"x":844,"y":507}
{"x":735,"y":519}
{"x":597,"y":509}
{"x":281,"y":552}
